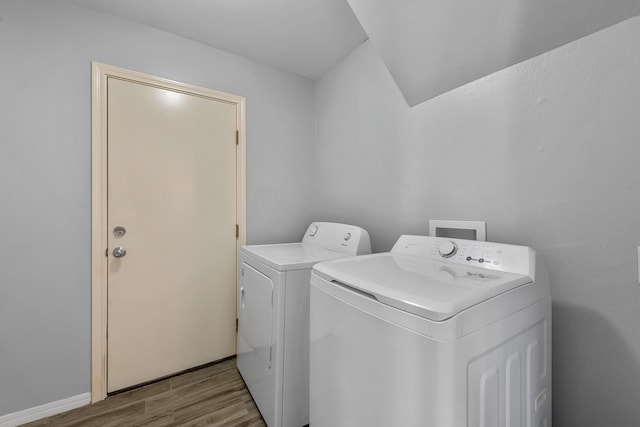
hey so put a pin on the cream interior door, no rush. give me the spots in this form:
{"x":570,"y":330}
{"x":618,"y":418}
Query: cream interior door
{"x":171,"y":204}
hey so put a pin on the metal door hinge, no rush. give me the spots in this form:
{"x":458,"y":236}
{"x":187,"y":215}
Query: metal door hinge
{"x":237,"y":231}
{"x":237,"y":138}
{"x":236,"y":324}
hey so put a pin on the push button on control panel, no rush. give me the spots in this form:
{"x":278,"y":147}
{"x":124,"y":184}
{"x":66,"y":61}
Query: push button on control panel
{"x":482,"y":260}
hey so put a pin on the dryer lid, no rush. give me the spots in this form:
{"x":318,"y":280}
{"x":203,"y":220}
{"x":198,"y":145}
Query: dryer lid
{"x":290,"y":256}
{"x":436,"y":290}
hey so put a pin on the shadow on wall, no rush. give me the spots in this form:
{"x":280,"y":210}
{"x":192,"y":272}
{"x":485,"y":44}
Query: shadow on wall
{"x":594,"y":397}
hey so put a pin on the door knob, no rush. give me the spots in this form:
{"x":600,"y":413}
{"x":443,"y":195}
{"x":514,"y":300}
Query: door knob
{"x":119,"y":252}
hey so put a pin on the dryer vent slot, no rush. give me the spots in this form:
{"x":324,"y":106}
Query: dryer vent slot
{"x":354,"y":290}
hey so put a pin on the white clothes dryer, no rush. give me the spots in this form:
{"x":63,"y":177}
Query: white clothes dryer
{"x":273,"y":317}
{"x":436,"y":333}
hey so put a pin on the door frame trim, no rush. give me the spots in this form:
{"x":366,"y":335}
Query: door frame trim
{"x":99,"y":75}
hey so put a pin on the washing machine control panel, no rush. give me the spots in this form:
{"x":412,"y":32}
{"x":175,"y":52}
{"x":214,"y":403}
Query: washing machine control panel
{"x":494,"y":256}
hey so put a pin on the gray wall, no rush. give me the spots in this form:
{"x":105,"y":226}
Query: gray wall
{"x":46,"y":48}
{"x":547,"y":153}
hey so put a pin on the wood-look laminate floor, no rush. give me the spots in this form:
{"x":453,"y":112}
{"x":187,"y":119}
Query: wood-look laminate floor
{"x":211,"y":396}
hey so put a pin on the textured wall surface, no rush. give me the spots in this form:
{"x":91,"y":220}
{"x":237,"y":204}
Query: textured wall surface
{"x":547,"y":153}
{"x":46,"y":49}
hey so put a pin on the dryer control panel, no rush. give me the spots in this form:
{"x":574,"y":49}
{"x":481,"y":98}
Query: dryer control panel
{"x":343,"y":238}
{"x":489,"y":255}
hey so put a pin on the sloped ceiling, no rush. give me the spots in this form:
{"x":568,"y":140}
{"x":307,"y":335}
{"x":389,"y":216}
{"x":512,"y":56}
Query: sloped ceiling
{"x":433,"y":46}
{"x":305,"y":37}
{"x":429,"y":46}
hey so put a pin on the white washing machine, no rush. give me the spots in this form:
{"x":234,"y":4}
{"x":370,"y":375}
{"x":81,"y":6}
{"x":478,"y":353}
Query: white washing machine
{"x":436,"y":333}
{"x":273,"y":317}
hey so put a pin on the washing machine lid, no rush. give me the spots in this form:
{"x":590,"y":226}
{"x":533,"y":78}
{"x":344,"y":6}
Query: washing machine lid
{"x":290,"y":256}
{"x":433,"y":289}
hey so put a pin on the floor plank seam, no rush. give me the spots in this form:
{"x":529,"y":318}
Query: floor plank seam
{"x":214,"y":395}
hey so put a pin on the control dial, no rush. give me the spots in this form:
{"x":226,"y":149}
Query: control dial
{"x":314,"y":230}
{"x":447,"y":249}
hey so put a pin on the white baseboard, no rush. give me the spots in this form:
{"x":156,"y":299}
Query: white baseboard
{"x":46,"y":410}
